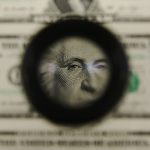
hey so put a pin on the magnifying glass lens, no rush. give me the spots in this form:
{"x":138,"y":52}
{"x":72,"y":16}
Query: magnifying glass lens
{"x":74,"y":71}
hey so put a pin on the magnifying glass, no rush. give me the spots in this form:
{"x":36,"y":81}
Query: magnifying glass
{"x":74,"y":71}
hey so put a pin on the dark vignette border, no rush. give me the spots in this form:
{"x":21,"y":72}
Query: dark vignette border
{"x":74,"y":27}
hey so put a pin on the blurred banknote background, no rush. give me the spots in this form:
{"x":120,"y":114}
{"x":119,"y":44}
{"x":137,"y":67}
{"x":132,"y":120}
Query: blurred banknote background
{"x":126,"y":128}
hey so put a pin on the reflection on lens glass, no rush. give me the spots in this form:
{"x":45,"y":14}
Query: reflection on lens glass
{"x":74,"y":72}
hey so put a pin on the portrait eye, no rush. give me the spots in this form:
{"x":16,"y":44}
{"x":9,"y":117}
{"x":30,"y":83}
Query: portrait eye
{"x":101,"y":65}
{"x":73,"y":67}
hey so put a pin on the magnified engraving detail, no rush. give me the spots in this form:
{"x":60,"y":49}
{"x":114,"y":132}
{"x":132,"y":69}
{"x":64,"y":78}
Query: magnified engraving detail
{"x":74,"y":71}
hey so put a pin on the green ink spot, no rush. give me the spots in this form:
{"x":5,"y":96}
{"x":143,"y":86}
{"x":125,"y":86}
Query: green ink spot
{"x":134,"y":83}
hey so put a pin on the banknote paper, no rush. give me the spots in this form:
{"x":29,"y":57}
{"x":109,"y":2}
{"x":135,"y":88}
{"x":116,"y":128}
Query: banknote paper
{"x":127,"y":127}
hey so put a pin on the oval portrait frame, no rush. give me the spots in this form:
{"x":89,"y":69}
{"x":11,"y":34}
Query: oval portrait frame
{"x":118,"y":73}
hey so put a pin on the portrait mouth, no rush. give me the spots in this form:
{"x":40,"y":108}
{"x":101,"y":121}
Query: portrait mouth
{"x":88,"y":88}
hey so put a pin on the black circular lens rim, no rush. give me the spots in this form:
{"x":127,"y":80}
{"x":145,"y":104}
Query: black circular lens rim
{"x":113,"y":49}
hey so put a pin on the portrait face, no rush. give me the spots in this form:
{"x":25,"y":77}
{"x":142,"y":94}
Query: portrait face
{"x":74,"y":72}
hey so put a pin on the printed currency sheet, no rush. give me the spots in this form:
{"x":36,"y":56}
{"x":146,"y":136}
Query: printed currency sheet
{"x":127,"y":127}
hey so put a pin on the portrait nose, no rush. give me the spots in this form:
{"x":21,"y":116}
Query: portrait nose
{"x":87,"y":86}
